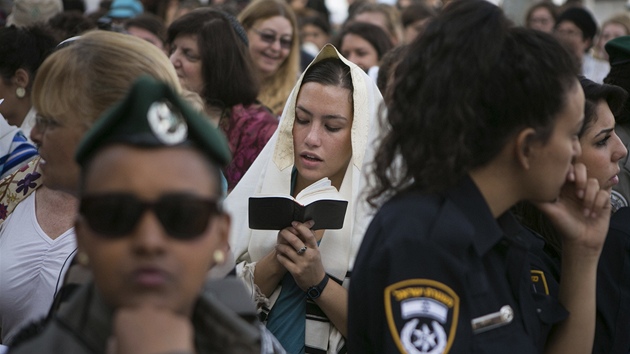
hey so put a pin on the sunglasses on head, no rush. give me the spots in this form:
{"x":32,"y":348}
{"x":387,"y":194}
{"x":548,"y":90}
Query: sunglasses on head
{"x":270,"y":38}
{"x":183,"y":216}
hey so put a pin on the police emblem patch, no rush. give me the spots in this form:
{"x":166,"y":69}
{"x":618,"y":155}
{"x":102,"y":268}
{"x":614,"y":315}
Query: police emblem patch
{"x":167,"y":123}
{"x":422,"y":315}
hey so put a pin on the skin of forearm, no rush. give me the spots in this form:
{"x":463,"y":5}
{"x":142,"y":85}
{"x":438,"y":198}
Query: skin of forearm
{"x":577,"y":294}
{"x":268,"y":273}
{"x":334,"y":303}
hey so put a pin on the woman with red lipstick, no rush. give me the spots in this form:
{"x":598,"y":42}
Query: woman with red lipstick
{"x":299,"y":277}
{"x":601,"y":152}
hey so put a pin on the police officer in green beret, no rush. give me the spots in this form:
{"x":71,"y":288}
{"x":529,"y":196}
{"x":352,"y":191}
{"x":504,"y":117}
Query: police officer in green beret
{"x":149,"y":228}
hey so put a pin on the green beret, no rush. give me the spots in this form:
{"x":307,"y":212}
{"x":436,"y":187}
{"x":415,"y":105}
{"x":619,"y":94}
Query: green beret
{"x":618,"y":50}
{"x":153,"y":115}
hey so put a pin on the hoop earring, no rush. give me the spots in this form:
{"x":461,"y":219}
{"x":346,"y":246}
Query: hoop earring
{"x":20,"y":92}
{"x":218,"y":256}
{"x":83,"y":259}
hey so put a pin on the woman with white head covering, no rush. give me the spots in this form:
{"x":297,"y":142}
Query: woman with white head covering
{"x":326,"y":130}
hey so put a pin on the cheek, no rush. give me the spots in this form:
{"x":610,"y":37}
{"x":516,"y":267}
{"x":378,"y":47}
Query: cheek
{"x":345,"y":146}
{"x":297,"y":134}
{"x":257,"y":46}
{"x":374,"y":57}
{"x":284,"y":53}
{"x":596,"y":160}
{"x":197,"y":257}
{"x":105,"y":258}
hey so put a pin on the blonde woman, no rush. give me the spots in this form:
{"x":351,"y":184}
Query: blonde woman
{"x":74,"y":86}
{"x":274,"y":47}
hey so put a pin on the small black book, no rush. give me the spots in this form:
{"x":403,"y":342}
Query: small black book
{"x":320,"y":202}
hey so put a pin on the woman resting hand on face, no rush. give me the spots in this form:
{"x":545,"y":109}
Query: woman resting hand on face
{"x":444,"y":266}
{"x":602,"y":150}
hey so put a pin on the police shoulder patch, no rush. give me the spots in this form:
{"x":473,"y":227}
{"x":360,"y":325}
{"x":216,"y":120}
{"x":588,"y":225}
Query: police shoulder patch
{"x":422,"y":315}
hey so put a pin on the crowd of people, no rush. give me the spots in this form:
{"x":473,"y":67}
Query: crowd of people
{"x":482,"y":167}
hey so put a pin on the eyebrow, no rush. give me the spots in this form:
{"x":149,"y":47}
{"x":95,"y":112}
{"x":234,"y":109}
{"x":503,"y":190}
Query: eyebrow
{"x":326,"y":116}
{"x":604,"y":131}
{"x":270,"y":31}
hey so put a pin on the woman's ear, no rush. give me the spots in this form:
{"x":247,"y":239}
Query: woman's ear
{"x":22,"y":78}
{"x":525,"y":148}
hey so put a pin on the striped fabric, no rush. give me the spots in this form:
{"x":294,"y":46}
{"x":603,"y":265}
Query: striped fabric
{"x":17,"y":152}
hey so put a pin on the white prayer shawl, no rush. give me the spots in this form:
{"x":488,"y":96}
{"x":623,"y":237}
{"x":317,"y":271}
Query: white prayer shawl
{"x":271,"y":174}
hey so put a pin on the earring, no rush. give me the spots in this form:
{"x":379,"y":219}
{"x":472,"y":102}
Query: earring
{"x":218,"y":256}
{"x":20,"y":92}
{"x":83,"y":259}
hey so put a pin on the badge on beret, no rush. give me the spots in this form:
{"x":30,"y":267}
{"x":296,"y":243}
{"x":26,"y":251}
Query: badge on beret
{"x":167,"y":124}
{"x":422,"y":315}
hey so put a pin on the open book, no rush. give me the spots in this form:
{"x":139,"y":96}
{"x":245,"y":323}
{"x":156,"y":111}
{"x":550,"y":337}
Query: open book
{"x":320,"y":202}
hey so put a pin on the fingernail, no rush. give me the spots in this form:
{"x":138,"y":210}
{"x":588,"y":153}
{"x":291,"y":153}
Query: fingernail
{"x":580,"y":193}
{"x":587,"y":212}
{"x":594,"y":215}
{"x":294,"y":223}
{"x":310,"y":223}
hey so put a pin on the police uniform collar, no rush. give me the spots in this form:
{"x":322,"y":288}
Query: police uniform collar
{"x":471,"y":203}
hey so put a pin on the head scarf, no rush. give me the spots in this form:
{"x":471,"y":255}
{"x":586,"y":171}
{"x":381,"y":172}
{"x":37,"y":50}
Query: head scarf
{"x":271,"y":174}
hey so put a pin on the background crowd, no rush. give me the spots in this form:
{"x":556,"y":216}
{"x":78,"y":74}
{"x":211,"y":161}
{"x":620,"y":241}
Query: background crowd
{"x":273,"y":96}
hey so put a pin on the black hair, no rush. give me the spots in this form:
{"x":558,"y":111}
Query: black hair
{"x":317,"y":21}
{"x":375,"y":35}
{"x":416,"y":12}
{"x":77,"y":6}
{"x":464,"y":89}
{"x":581,"y":18}
{"x":228,"y":75}
{"x":619,"y":75}
{"x":386,"y":70}
{"x":70,"y":24}
{"x":614,"y":96}
{"x":330,"y":72}
{"x":149,"y":22}
{"x":24,"y":48}
{"x":530,"y":215}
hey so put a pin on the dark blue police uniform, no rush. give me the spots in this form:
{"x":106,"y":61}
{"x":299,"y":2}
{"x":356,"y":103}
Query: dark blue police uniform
{"x":612,"y":330}
{"x":438,"y":274}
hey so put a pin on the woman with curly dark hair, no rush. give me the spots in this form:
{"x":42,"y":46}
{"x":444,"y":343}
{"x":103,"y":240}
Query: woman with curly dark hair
{"x":483,"y":115}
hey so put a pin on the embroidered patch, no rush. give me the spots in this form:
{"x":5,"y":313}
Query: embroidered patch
{"x":422,"y":315}
{"x":167,"y":123}
{"x":539,"y":282}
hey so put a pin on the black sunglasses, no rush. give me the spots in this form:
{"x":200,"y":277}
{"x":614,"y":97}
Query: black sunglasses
{"x":270,"y":38}
{"x":183,"y":216}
